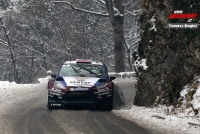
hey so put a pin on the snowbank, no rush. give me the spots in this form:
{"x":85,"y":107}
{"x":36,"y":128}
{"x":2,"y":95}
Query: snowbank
{"x":42,"y":80}
{"x":159,"y":120}
{"x":122,"y":74}
{"x":190,"y":98}
{"x":6,"y":83}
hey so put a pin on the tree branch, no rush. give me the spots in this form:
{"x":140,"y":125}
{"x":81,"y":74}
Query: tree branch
{"x":19,"y":17}
{"x":102,"y":2}
{"x":109,"y":6}
{"x":82,"y":10}
{"x":55,"y":14}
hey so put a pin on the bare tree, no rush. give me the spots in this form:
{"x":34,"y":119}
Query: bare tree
{"x":48,"y":33}
{"x":13,"y":58}
{"x":115,"y":11}
{"x":116,"y":14}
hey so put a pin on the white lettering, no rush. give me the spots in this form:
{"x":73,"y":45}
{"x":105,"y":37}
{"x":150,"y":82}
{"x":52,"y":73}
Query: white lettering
{"x":55,"y":104}
{"x":191,"y":25}
{"x":175,"y":25}
{"x":178,"y":11}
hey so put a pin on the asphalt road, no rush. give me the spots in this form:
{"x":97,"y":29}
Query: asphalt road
{"x":32,"y":117}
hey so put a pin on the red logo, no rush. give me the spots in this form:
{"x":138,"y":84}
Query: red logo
{"x":182,"y":16}
{"x":178,"y":14}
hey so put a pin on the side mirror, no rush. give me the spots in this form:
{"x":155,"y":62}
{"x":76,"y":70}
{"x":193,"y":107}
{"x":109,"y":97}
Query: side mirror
{"x":112,"y":78}
{"x":53,"y":75}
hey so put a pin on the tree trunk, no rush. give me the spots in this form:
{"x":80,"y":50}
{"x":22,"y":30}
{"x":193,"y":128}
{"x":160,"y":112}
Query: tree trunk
{"x":116,"y":13}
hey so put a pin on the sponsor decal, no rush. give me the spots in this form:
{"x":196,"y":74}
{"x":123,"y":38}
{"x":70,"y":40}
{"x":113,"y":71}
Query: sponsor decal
{"x":101,"y":89}
{"x":105,"y":93}
{"x":80,"y":78}
{"x":80,"y":82}
{"x":54,"y":93}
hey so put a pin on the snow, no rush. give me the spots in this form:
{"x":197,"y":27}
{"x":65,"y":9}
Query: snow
{"x":6,"y":83}
{"x":102,"y":1}
{"x":159,"y":119}
{"x":83,"y":10}
{"x":152,"y":21}
{"x":141,"y":63}
{"x":117,"y":12}
{"x":122,"y":74}
{"x":196,"y":100}
{"x":168,"y":119}
{"x":49,"y":72}
{"x":192,"y":90}
{"x":42,"y":80}
{"x":13,"y":96}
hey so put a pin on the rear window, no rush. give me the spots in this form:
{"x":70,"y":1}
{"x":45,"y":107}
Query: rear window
{"x":82,"y":69}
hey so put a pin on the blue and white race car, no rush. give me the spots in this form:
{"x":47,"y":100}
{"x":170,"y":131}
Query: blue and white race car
{"x":84,"y":82}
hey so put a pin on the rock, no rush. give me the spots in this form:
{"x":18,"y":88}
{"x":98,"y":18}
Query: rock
{"x":174,"y":55}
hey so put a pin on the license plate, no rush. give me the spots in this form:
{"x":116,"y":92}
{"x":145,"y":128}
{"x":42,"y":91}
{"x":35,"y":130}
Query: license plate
{"x":81,"y":89}
{"x":101,"y":90}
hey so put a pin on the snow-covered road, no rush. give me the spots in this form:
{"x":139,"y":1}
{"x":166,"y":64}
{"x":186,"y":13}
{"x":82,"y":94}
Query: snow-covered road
{"x":23,"y":110}
{"x":157,"y":119}
{"x":13,"y":96}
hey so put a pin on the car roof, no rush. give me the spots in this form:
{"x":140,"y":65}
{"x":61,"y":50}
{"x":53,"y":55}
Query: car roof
{"x":83,"y":61}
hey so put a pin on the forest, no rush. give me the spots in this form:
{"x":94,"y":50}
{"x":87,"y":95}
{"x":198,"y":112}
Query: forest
{"x":39,"y":35}
{"x":127,"y":35}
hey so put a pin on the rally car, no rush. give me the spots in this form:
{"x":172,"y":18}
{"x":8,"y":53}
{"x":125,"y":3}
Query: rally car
{"x":81,"y":82}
